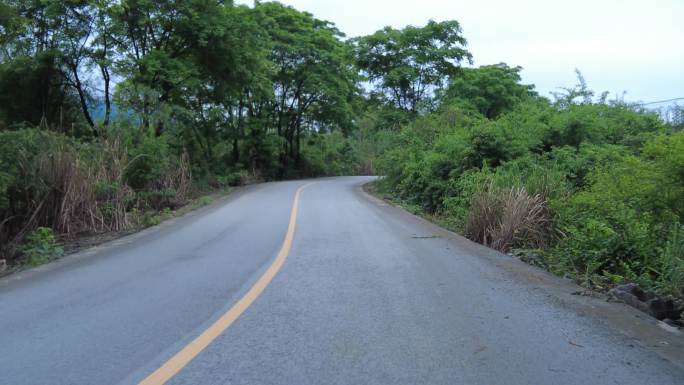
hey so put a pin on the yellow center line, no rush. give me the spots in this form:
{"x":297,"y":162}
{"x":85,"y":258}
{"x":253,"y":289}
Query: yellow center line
{"x":174,"y":365}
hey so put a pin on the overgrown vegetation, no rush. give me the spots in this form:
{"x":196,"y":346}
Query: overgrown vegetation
{"x":592,"y":187}
{"x":40,"y":246}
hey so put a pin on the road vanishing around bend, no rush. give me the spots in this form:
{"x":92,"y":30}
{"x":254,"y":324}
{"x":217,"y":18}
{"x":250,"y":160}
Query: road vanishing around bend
{"x":315,"y":282}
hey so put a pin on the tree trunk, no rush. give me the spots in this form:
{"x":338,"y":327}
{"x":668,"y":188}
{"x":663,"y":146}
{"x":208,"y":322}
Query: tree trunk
{"x":298,"y":128}
{"x":108,"y":102}
{"x":82,"y":97}
{"x":238,"y":133}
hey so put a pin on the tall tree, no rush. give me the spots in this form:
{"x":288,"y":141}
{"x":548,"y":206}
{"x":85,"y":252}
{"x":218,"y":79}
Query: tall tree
{"x":73,"y":23}
{"x":491,"y":89}
{"x":235,"y":73}
{"x":103,"y":50}
{"x":75,"y":34}
{"x":157,"y":40}
{"x":312,"y":80}
{"x":407,"y":66}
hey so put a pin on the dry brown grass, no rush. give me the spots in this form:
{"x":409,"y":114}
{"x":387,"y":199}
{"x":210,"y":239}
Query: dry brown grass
{"x":69,"y":196}
{"x":74,"y":191}
{"x":112,"y":195}
{"x":179,"y":180}
{"x":85,"y":197}
{"x":505,"y":218}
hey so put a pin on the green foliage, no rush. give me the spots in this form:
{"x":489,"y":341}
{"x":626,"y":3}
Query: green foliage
{"x":152,"y":218}
{"x":49,"y":180}
{"x":593,"y":186}
{"x":670,"y":263}
{"x":43,"y":99}
{"x":149,"y":162}
{"x":230,"y":86}
{"x":616,"y":224}
{"x":602,"y":124}
{"x":491,"y":90}
{"x":201,"y":202}
{"x":19,"y":151}
{"x":331,"y":154}
{"x":407,"y":66}
{"x":40,"y":247}
{"x":237,"y":178}
{"x":312,"y":78}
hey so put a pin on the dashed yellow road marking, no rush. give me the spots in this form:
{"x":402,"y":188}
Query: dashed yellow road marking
{"x":174,"y":365}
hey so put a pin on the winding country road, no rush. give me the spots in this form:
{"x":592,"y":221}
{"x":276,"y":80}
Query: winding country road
{"x":338,"y":289}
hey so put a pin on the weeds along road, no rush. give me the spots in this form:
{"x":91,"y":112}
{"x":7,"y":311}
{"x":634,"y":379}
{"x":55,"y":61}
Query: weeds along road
{"x":363,"y":294}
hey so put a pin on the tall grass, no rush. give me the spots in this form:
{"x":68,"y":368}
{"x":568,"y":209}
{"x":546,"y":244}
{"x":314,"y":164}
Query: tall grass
{"x":72,"y":194}
{"x":503,"y":218}
{"x":671,"y":262}
{"x":74,"y":189}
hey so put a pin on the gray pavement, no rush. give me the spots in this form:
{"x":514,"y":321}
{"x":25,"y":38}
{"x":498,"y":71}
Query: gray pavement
{"x":368,"y":295}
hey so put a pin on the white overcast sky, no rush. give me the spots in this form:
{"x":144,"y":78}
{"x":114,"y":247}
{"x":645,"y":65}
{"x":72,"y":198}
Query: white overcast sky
{"x":632,"y":46}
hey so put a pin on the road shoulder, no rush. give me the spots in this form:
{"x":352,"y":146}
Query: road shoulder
{"x":109,"y":244}
{"x":657,"y":336}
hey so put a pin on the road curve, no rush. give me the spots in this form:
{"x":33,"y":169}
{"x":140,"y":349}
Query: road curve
{"x":368,"y":295}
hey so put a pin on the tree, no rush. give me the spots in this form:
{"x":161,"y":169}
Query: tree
{"x":102,"y":51}
{"x":158,"y":42}
{"x":407,"y":66}
{"x":569,"y":95}
{"x":11,"y":26}
{"x":313,"y":81}
{"x":491,"y":89}
{"x":32,"y":94}
{"x":75,"y":34}
{"x":235,"y":70}
{"x":73,"y":23}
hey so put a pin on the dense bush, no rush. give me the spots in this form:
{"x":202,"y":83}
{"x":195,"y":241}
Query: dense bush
{"x":595,"y":187}
{"x":31,"y":95}
{"x":617,"y":223}
{"x":51,"y":181}
{"x":506,"y":218}
{"x":329,"y":154}
{"x":40,"y":247}
{"x":490,"y":90}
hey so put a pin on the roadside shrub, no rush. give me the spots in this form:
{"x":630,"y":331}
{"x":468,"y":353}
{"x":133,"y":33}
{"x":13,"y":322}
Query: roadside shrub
{"x":329,"y":154}
{"x":577,"y":164}
{"x":488,"y":147}
{"x":531,"y":173}
{"x":459,"y":193}
{"x":40,"y":247}
{"x":236,"y":178}
{"x":505,"y":218}
{"x":26,"y":201}
{"x":667,"y":154}
{"x":613,"y":227}
{"x":107,"y":161}
{"x":670,"y":264}
{"x":51,"y":181}
{"x":148,"y":162}
{"x":572,"y":127}
{"x":596,"y":188}
{"x":425,"y":181}
{"x":602,"y":123}
{"x":601,"y":239}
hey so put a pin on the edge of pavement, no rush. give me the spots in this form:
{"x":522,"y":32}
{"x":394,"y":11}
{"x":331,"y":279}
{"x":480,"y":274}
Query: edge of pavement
{"x":127,"y":239}
{"x":650,"y":333}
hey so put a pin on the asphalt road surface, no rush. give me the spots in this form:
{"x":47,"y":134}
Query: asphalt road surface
{"x":368,"y":294}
